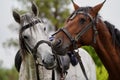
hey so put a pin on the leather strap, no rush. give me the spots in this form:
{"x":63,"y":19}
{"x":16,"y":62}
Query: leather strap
{"x":81,"y":64}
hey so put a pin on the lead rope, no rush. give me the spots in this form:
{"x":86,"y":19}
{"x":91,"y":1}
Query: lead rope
{"x":81,"y":64}
{"x":61,"y":67}
{"x":53,"y":74}
{"x":63,"y":73}
{"x":80,"y":61}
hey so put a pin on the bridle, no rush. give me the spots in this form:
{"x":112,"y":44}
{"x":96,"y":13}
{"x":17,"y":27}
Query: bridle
{"x":78,"y":36}
{"x":30,"y":50}
{"x":83,"y":31}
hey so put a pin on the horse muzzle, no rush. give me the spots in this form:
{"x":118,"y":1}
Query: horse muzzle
{"x":50,"y":62}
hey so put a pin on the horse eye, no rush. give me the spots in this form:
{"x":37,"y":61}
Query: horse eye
{"x":82,"y":21}
{"x":25,"y":37}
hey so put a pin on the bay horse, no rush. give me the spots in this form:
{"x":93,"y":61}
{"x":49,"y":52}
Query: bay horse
{"x":35,"y":60}
{"x":85,"y":27}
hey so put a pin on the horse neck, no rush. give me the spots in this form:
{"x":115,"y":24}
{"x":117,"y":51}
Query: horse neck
{"x":106,"y":50}
{"x":28,"y":66}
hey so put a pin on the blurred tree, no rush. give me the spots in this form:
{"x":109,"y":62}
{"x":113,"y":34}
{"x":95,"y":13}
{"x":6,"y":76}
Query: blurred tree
{"x":56,"y":11}
{"x":8,"y":74}
{"x":14,"y":28}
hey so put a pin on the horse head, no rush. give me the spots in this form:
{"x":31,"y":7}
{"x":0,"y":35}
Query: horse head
{"x":33,"y":37}
{"x":79,"y":29}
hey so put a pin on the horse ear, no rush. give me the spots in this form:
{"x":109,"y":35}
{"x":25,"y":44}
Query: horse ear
{"x":34,"y":9}
{"x":97,"y":8}
{"x":16,"y":16}
{"x":75,"y":5}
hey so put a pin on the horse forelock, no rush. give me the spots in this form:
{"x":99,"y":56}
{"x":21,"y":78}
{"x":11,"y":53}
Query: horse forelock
{"x":84,"y":10}
{"x":87,"y":9}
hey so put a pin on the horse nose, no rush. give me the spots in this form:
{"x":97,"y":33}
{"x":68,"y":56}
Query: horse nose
{"x":49,"y":62}
{"x":57,"y":43}
{"x":49,"y":59}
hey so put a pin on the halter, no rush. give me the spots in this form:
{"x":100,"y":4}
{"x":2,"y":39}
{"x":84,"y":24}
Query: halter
{"x":83,"y":31}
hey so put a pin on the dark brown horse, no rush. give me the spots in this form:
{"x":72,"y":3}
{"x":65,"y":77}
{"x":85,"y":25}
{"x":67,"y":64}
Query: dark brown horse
{"x":85,"y":27}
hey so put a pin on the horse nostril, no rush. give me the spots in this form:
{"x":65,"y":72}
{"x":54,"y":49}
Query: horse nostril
{"x":58,"y":43}
{"x":43,"y":61}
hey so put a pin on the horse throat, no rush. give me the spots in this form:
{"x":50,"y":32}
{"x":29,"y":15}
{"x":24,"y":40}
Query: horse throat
{"x":107,"y":51}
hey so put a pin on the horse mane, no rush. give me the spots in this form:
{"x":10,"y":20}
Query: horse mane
{"x":18,"y":60}
{"x":84,"y":9}
{"x":115,"y":33}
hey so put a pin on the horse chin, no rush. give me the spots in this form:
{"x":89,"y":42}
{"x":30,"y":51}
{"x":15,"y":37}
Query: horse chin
{"x":50,"y":66}
{"x":60,"y":51}
{"x":49,"y":62}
